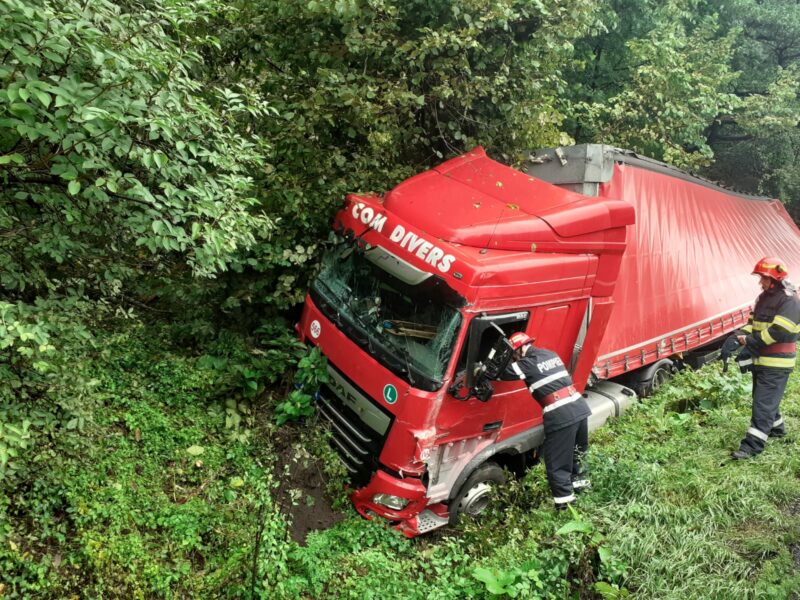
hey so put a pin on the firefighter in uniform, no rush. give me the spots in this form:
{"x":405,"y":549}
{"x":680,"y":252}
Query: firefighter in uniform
{"x":564,"y":412}
{"x":772,"y":341}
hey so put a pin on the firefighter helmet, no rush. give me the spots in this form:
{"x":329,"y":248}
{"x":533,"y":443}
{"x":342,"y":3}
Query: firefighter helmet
{"x":773,"y":267}
{"x":519,"y":339}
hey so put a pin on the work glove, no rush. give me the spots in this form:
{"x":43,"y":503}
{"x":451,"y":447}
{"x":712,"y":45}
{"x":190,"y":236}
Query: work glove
{"x":729,"y":347}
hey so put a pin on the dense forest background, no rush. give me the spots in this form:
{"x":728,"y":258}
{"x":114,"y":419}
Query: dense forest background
{"x":169,"y":170}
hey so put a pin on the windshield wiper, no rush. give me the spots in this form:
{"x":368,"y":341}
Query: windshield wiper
{"x":397,"y":364}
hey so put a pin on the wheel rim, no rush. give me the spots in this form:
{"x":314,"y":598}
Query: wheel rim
{"x":476,"y":499}
{"x":660,"y":378}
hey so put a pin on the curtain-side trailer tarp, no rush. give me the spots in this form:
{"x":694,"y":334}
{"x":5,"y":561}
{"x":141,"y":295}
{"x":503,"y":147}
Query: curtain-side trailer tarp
{"x":686,"y":272}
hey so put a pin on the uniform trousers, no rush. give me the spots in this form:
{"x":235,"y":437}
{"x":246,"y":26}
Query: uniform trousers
{"x":768,"y":387}
{"x":563,"y":450}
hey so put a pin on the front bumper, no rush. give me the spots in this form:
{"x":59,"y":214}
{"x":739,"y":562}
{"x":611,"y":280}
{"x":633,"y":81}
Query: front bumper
{"x":413,"y":520}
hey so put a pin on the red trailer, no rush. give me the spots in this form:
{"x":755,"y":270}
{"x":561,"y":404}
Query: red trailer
{"x":621,"y":264}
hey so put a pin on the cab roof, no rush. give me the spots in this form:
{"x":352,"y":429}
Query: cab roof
{"x":475,"y":201}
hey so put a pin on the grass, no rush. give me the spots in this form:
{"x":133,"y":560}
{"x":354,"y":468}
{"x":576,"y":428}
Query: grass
{"x":692,"y":523}
{"x":156,"y":498}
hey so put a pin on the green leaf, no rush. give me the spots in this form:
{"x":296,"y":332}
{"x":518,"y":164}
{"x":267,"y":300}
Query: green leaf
{"x":575,"y":526}
{"x":43,"y":97}
{"x":21,"y":110}
{"x":195,"y":450}
{"x":74,"y":187}
{"x":69,"y":173}
{"x":483,"y":574}
{"x":9,"y":158}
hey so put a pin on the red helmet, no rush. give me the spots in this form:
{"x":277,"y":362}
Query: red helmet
{"x":519,"y":339}
{"x":773,"y":267}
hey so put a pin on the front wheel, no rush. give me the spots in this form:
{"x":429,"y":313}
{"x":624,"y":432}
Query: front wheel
{"x":478,"y":491}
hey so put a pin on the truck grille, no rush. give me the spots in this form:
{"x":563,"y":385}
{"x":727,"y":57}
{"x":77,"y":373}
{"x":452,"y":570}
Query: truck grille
{"x":358,"y":425}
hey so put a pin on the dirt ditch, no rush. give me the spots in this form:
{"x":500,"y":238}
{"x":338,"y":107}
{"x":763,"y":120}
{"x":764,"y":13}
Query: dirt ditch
{"x":302,"y":496}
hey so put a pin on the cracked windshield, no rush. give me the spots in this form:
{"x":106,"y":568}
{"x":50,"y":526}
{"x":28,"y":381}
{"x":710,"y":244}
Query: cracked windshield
{"x":410,"y":328}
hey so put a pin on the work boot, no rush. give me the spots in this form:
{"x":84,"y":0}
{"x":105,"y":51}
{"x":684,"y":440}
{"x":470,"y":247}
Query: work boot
{"x":777,"y":433}
{"x":742,"y":455}
{"x":563,"y":502}
{"x":581,"y":485}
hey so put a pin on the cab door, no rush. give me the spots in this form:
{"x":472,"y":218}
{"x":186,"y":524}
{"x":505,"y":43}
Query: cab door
{"x":555,"y":327}
{"x":461,"y":416}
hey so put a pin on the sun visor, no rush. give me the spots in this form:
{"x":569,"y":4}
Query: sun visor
{"x":391,"y":263}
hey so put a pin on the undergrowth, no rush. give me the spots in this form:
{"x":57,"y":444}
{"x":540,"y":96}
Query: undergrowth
{"x":169,"y":487}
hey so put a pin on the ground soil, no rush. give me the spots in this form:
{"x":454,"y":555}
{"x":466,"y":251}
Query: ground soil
{"x":301,"y":496}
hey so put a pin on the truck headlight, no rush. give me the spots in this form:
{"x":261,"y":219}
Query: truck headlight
{"x":389,"y":501}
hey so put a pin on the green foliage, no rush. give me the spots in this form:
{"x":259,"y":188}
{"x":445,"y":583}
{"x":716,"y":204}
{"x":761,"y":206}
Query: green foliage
{"x":297,"y":405}
{"x":706,"y":389}
{"x":246,"y":373}
{"x":758,"y":145}
{"x":118,"y":168}
{"x":107,"y":137}
{"x":311,"y":372}
{"x":14,"y":437}
{"x":152,"y":489}
{"x":532,"y":579}
{"x":154,"y":498}
{"x":610,"y":591}
{"x":179,"y":161}
{"x":652,"y":79}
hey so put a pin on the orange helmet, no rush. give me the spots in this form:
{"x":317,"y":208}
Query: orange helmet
{"x":773,"y":267}
{"x":519,"y":339}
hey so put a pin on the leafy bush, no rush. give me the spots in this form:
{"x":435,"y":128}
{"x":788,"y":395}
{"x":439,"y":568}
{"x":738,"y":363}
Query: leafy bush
{"x":108,"y":137}
{"x":707,"y":388}
{"x":118,"y":168}
{"x":311,"y":372}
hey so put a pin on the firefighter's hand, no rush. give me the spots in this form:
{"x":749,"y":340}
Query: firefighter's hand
{"x":741,"y":339}
{"x":479,"y":368}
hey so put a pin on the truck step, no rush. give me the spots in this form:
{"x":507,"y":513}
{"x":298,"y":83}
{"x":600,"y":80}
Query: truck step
{"x":429,"y":520}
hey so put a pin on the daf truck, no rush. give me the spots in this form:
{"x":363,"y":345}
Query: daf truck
{"x":624,"y":266}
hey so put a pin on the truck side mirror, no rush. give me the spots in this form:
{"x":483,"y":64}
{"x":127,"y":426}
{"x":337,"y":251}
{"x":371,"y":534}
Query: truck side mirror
{"x":495,"y":362}
{"x":478,"y":327}
{"x":499,"y":356}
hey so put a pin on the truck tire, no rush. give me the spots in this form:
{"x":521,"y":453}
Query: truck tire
{"x":477,"y":492}
{"x":654,"y":376}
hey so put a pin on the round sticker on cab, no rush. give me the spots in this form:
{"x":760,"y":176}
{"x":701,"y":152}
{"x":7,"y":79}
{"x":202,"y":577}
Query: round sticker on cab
{"x":315,"y":329}
{"x":390,"y":393}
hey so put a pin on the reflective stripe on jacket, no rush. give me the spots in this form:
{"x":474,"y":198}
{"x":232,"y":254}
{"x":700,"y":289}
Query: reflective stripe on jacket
{"x":775,"y":327}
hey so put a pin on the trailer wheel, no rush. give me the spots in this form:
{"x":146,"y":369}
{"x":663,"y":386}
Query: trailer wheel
{"x":478,"y":491}
{"x":654,"y":377}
